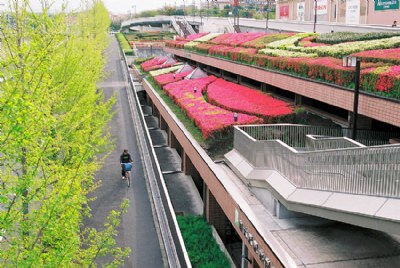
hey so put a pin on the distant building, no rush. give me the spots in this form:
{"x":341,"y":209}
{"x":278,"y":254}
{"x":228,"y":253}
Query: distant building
{"x":347,"y":11}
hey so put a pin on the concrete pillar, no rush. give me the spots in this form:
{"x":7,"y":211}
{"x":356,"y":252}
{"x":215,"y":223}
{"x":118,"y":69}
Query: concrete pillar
{"x":363,"y":122}
{"x":298,"y":99}
{"x":163,"y":125}
{"x":215,"y":215}
{"x":172,"y":141}
{"x":263,"y":87}
{"x":189,"y":169}
{"x":239,"y":79}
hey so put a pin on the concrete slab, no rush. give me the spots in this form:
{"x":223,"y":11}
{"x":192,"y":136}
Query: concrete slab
{"x":244,"y":168}
{"x":259,"y":174}
{"x":184,"y":195}
{"x":355,"y":203}
{"x":158,"y":137}
{"x":309,"y":197}
{"x":168,"y":159}
{"x":151,"y":122}
{"x":281,"y":185}
{"x":234,"y":157}
{"x":390,"y":210}
{"x":337,"y":243}
{"x":147,"y":110}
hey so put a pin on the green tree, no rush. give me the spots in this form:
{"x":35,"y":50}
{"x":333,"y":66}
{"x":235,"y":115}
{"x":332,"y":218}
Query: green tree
{"x":52,"y":129}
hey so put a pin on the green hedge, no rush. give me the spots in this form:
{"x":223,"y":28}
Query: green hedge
{"x":342,"y":37}
{"x":126,"y":48}
{"x":203,"y":251}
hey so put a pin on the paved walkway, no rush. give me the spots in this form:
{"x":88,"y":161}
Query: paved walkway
{"x":137,"y":229}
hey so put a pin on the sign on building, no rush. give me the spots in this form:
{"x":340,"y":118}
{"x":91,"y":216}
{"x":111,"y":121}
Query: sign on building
{"x":284,"y":12}
{"x":386,"y":4}
{"x":322,"y":7}
{"x":300,"y":11}
{"x":352,"y":11}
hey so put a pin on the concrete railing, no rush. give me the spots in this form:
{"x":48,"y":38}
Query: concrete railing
{"x":364,"y":170}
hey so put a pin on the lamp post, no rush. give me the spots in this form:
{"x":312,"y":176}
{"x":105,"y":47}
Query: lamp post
{"x":235,"y":117}
{"x":315,"y":15}
{"x":268,"y":10}
{"x":351,"y":61}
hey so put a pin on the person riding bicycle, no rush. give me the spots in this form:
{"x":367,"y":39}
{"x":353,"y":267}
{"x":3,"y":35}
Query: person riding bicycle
{"x":124,"y":158}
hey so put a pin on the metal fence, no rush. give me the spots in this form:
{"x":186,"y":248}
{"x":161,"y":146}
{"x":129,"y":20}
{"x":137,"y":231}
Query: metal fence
{"x":354,"y":168}
{"x":295,"y":135}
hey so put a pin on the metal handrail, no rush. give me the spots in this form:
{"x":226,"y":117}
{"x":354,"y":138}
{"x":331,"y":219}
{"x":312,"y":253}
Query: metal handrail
{"x":365,"y":170}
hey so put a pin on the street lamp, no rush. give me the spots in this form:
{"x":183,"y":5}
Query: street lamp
{"x":315,"y":15}
{"x":351,"y":61}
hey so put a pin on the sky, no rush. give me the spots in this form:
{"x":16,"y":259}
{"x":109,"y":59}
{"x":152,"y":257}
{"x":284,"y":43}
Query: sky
{"x":118,"y":6}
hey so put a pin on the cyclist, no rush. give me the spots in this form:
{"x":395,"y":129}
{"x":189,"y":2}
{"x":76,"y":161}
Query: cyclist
{"x":124,"y":158}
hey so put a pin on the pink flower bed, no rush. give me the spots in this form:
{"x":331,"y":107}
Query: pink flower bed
{"x":164,"y":79}
{"x":309,"y":42}
{"x":194,"y":36}
{"x":386,"y":55}
{"x":209,"y":118}
{"x":153,"y":62}
{"x":242,"y":99}
{"x":156,"y":67}
{"x":235,"y":39}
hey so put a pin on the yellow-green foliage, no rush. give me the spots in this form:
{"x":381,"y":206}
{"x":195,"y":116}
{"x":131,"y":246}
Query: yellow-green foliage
{"x":123,"y":42}
{"x":53,"y":120}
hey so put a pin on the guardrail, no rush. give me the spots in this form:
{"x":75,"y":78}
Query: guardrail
{"x":172,"y":240}
{"x":365,"y":170}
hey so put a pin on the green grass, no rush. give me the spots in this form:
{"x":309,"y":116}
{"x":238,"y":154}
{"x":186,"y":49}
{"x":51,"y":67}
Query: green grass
{"x":203,"y":251}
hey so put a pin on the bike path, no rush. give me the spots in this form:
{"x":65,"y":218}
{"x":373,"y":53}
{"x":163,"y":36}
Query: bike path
{"x":137,"y":230}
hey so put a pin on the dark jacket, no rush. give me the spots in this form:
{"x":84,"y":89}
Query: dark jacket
{"x":125,"y":158}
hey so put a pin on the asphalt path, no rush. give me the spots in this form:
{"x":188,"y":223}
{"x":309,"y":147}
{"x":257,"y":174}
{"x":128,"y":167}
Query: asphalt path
{"x":137,"y":229}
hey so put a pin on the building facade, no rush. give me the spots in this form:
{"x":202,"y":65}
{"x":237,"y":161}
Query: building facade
{"x":340,"y":11}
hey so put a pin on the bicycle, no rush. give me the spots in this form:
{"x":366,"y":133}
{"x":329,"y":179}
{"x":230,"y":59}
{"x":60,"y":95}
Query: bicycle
{"x":127,"y":168}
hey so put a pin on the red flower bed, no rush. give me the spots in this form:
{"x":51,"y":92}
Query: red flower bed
{"x":242,"y":99}
{"x":208,"y":118}
{"x":233,"y":53}
{"x":164,"y":79}
{"x":385,"y":55}
{"x":203,"y":48}
{"x":382,"y":79}
{"x":175,"y":43}
{"x":235,"y":39}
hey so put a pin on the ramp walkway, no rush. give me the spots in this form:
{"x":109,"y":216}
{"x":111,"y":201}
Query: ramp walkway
{"x":313,"y":170}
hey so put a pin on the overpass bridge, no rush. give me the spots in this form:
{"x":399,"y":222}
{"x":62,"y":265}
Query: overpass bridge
{"x":184,"y":25}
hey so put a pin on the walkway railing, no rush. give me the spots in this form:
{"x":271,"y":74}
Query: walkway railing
{"x":351,"y":168}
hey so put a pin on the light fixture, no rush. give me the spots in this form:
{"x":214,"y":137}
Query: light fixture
{"x":235,"y":117}
{"x":250,"y":238}
{"x":267,"y":263}
{"x":255,"y":245}
{"x":241,"y":225}
{"x":195,"y":89}
{"x":351,"y":61}
{"x":261,"y":255}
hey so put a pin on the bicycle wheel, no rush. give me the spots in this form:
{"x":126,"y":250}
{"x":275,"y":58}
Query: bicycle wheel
{"x":128,"y":178}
